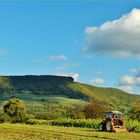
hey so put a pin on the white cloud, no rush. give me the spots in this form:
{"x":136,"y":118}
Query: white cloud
{"x":60,"y":57}
{"x":98,"y":81}
{"x":128,"y":89}
{"x":127,"y":80}
{"x":120,"y":37}
{"x":131,"y":82}
{"x":75,"y":76}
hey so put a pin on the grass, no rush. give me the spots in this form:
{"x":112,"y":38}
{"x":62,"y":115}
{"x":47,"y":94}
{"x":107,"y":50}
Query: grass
{"x":42,"y":132}
{"x":115,"y":97}
{"x":131,"y":125}
{"x":40,"y":100}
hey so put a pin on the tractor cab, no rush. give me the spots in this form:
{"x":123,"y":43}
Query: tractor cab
{"x":113,"y":114}
{"x":113,"y":122}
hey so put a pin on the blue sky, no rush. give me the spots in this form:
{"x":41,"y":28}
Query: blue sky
{"x":73,"y":38}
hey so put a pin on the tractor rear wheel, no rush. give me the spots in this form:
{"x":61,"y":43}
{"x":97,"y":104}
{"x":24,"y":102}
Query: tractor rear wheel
{"x":109,"y":126}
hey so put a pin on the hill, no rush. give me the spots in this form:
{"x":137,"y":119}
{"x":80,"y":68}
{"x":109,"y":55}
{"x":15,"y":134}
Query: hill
{"x":61,"y":90}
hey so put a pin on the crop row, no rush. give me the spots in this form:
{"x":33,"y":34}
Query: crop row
{"x":85,"y":123}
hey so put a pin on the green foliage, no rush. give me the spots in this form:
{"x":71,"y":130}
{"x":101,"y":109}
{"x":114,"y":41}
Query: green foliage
{"x":56,"y":111}
{"x":4,"y":84}
{"x":76,"y":112}
{"x":96,"y":109}
{"x":88,"y":123}
{"x":134,"y":112}
{"x":14,"y":111}
{"x":133,"y":125}
{"x":48,"y":111}
{"x":38,"y":122}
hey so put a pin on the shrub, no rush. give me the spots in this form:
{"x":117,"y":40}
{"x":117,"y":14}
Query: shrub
{"x":96,"y":109}
{"x":134,"y":112}
{"x":14,"y":111}
{"x":132,"y":125}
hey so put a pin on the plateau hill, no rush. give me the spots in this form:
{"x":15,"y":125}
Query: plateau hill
{"x":57,"y":89}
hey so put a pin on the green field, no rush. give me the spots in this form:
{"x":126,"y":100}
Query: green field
{"x":39,"y":132}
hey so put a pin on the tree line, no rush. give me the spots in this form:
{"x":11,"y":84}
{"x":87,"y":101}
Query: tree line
{"x":15,"y":111}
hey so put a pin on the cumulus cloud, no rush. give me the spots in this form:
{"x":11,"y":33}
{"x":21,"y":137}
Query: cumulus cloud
{"x":60,"y":57}
{"x":128,"y":80}
{"x":98,"y":81}
{"x":120,"y":37}
{"x":131,"y":82}
{"x":75,"y":76}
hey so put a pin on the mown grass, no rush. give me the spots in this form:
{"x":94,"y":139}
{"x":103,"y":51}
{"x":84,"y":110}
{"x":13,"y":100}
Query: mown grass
{"x":42,"y":132}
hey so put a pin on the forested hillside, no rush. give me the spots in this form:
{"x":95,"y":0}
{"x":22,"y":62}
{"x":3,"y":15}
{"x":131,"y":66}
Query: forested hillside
{"x":48,"y":87}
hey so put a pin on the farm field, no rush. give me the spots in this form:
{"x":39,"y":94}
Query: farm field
{"x":39,"y":132}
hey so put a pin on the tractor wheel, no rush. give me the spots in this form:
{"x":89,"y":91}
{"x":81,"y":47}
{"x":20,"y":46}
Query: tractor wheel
{"x":101,"y":127}
{"x":108,"y":126}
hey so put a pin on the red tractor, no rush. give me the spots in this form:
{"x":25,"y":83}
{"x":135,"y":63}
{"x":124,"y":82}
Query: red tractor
{"x":113,"y":122}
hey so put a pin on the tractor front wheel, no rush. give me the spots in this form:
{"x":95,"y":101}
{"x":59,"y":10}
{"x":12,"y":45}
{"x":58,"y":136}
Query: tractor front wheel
{"x":109,"y":127}
{"x":101,"y":127}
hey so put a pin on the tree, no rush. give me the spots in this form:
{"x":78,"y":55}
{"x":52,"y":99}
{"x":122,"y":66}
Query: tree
{"x":15,"y":111}
{"x":96,"y":109}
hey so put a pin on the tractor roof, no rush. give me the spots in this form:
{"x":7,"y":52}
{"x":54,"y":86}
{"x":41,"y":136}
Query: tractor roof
{"x":114,"y":112}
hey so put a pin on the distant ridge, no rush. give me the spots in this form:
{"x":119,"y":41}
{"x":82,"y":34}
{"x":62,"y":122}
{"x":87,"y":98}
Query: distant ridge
{"x":49,"y":85}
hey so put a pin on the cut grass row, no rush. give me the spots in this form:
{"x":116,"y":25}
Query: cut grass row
{"x":44,"y":132}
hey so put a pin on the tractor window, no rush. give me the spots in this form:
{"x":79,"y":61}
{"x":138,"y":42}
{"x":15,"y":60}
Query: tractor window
{"x":108,"y":114}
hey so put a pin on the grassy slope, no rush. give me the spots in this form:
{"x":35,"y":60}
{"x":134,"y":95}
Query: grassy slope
{"x":114,"y":97}
{"x":30,"y":132}
{"x":61,"y":90}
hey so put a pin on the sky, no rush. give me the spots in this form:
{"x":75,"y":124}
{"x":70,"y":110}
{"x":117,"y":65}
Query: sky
{"x":96,"y":42}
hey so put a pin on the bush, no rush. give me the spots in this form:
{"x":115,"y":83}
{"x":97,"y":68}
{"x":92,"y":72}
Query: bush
{"x":134,"y":112}
{"x":15,"y":111}
{"x":96,"y":109}
{"x":132,"y":125}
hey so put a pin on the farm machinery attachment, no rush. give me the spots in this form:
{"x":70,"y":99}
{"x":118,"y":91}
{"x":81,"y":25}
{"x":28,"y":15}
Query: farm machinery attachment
{"x":113,"y":122}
